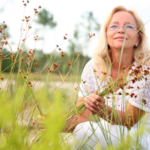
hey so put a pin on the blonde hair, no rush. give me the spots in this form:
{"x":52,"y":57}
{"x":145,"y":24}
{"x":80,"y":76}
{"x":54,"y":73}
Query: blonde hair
{"x":101,"y":55}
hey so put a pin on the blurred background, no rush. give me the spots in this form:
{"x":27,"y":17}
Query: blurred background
{"x":74,"y":19}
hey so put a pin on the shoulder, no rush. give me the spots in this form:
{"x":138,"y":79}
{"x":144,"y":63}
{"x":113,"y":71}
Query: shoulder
{"x":90,"y":63}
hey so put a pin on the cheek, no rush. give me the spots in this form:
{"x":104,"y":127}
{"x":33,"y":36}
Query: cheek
{"x":108,"y":36}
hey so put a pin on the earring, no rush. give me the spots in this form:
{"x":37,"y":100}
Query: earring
{"x":136,"y":45}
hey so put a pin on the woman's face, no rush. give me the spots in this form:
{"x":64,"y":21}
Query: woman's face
{"x":116,"y":33}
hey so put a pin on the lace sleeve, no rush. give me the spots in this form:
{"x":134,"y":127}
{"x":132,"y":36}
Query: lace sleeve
{"x":140,"y":93}
{"x":87,"y":84}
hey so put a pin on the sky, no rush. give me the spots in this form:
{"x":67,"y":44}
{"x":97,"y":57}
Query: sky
{"x":67,"y":13}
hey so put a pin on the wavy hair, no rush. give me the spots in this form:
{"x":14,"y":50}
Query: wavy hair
{"x":101,"y":55}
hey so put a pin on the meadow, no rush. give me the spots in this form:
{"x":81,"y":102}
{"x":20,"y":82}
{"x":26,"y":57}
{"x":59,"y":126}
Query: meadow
{"x":35,"y":104}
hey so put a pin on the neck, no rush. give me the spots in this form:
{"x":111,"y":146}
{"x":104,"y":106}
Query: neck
{"x":126,"y":61}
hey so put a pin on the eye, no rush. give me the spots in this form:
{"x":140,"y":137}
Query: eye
{"x":114,"y":26}
{"x":129,"y":27}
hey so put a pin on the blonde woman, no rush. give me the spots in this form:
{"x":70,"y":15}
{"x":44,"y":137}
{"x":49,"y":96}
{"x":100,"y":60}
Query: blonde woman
{"x":127,"y":105}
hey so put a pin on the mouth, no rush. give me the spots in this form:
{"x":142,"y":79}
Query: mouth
{"x":120,"y":38}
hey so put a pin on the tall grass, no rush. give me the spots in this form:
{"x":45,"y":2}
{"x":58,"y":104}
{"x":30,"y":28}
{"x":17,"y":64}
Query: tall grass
{"x":33,"y":115}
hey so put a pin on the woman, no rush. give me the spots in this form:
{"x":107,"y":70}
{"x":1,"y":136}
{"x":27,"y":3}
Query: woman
{"x":125,"y":105}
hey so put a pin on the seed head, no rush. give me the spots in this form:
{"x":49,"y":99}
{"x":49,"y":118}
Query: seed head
{"x":2,"y":79}
{"x":22,"y":59}
{"x":4,"y":26}
{"x":59,"y":49}
{"x":68,"y":63}
{"x":62,"y":54}
{"x":65,"y":37}
{"x":39,"y":7}
{"x":55,"y":66}
{"x":78,"y":53}
{"x":35,"y":64}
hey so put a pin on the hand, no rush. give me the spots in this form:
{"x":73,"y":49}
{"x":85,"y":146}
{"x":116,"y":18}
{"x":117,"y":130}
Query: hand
{"x":95,"y":103}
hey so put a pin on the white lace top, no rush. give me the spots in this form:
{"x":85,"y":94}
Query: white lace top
{"x":136,"y":92}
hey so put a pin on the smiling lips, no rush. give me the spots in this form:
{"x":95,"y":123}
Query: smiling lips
{"x":120,"y":38}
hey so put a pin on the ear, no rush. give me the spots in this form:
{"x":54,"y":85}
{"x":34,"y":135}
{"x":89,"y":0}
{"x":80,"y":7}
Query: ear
{"x":138,"y":39}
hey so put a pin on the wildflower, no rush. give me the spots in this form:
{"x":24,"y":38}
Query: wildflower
{"x":2,"y":79}
{"x":62,"y":54}
{"x":128,"y":126}
{"x":13,"y":57}
{"x":35,"y":64}
{"x":94,"y":70}
{"x":119,"y":93}
{"x":68,"y":63}
{"x":65,"y":37}
{"x":29,"y":27}
{"x":132,"y":94}
{"x":144,"y":101}
{"x":4,"y":26}
{"x":76,"y":88}
{"x":55,"y":66}
{"x":6,"y":42}
{"x":146,"y":72}
{"x":78,"y":53}
{"x":130,"y":87}
{"x":51,"y":71}
{"x":104,"y":73}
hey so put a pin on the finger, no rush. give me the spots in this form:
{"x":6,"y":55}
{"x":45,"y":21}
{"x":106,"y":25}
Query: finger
{"x":94,"y":111}
{"x":93,"y":105}
{"x":98,"y":98}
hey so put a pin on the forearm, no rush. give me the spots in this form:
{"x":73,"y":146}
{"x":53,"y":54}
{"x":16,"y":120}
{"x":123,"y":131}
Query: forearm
{"x":128,"y":117}
{"x":73,"y":121}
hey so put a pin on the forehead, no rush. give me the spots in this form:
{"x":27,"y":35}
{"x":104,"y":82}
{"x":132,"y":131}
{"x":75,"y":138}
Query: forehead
{"x":123,"y":17}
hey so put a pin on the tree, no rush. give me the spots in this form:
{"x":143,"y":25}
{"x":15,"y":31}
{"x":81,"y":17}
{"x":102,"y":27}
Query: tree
{"x":88,"y":25}
{"x":46,"y":19}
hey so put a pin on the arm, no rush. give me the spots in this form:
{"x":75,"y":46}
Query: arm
{"x":130,"y":116}
{"x":72,"y":122}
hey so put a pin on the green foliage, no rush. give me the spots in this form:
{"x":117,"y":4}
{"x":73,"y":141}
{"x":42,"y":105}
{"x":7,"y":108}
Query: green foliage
{"x":45,"y":18}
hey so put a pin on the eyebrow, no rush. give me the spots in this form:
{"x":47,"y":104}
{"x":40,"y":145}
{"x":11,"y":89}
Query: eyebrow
{"x":125,"y":22}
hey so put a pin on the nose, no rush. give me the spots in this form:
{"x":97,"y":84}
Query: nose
{"x":121,"y":29}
